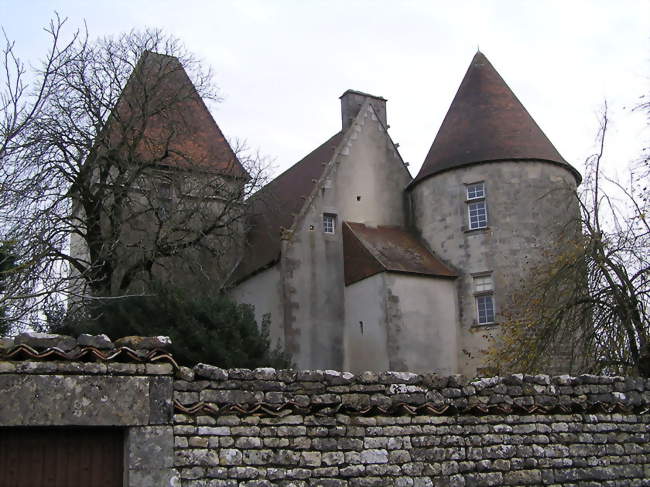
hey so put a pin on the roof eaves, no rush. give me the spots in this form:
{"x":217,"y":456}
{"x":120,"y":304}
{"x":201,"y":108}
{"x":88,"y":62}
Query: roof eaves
{"x":576,"y":174}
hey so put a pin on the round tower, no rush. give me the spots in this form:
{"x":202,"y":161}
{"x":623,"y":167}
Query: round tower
{"x":492,"y":195}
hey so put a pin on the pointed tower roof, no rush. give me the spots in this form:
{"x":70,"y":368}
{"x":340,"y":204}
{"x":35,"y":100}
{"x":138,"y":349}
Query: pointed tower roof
{"x":486,"y":122}
{"x":161,"y":107}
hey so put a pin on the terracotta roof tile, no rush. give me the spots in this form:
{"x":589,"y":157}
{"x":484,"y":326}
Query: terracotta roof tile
{"x":179,"y":129}
{"x":370,"y":250}
{"x":486,"y":122}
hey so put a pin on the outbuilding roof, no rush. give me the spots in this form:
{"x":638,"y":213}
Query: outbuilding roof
{"x":369,"y":250}
{"x":486,"y":122}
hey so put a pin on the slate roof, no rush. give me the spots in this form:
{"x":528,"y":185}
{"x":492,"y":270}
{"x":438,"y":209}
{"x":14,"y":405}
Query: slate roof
{"x":486,"y":122}
{"x":370,"y":250}
{"x":179,"y":129}
{"x":276,"y":205}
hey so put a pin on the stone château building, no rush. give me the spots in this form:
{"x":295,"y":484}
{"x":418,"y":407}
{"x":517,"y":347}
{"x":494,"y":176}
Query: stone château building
{"x":363,"y":267}
{"x":359,"y":265}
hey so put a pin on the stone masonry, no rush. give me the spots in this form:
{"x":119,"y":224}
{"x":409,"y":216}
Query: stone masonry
{"x":303,"y":428}
{"x":208,"y":426}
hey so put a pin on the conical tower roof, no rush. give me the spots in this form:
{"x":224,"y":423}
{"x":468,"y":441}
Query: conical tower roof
{"x":486,"y":122}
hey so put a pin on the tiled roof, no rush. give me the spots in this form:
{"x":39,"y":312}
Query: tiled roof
{"x":184,"y":135}
{"x":370,"y":250}
{"x":486,"y":122}
{"x":275,"y":207}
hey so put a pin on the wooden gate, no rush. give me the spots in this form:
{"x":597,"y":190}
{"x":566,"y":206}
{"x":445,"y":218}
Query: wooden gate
{"x":61,"y":457}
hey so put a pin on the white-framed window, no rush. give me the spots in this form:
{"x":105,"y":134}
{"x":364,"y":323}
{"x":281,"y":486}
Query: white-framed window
{"x":485,"y":309}
{"x":484,"y":296}
{"x":329,"y":223}
{"x":475,"y":191}
{"x":476,"y":206}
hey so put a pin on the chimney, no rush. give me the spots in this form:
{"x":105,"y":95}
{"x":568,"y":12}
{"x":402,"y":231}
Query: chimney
{"x":351,"y":102}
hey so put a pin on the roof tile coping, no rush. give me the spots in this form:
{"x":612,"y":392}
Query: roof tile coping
{"x":46,"y":347}
{"x":278,"y":393}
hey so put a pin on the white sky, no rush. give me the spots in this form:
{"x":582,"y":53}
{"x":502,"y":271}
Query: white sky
{"x":281,"y":65}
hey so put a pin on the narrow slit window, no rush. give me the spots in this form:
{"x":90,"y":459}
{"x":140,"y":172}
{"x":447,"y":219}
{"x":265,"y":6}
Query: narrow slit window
{"x":329,"y":223}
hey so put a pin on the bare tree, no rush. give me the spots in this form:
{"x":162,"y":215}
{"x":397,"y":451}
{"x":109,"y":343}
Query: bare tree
{"x":117,"y":173}
{"x":590,"y":301}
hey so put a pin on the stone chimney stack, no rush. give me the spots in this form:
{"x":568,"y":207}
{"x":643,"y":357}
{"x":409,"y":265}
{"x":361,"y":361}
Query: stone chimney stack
{"x":351,"y":102}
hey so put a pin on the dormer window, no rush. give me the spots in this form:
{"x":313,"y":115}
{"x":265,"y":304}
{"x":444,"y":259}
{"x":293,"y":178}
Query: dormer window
{"x":329,"y":223}
{"x":476,"y":206}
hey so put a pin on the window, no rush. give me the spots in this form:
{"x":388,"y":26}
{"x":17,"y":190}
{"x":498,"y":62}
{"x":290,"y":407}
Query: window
{"x":164,"y":200}
{"x":483,"y":291}
{"x":329,"y":223}
{"x":482,"y":284}
{"x":475,"y":191}
{"x":476,"y":206}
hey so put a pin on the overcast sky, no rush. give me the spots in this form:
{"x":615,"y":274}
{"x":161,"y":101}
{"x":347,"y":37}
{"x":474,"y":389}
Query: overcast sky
{"x":281,"y":65}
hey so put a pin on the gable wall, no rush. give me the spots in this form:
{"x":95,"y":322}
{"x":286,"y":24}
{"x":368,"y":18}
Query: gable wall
{"x":371,"y":168}
{"x":368,"y":166}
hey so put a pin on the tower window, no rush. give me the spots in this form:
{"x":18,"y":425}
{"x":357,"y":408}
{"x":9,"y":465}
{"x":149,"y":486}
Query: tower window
{"x":483,"y":292}
{"x":164,"y":197}
{"x":476,"y":206}
{"x":475,"y":191}
{"x":485,"y":309}
{"x":329,"y":223}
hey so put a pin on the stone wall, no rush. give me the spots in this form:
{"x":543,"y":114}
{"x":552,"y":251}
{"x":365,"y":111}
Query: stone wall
{"x":48,"y":380}
{"x":211,"y":427}
{"x":267,"y":427}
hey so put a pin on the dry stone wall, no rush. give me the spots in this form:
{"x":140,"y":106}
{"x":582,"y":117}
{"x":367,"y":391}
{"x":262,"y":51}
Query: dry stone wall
{"x":209,"y":427}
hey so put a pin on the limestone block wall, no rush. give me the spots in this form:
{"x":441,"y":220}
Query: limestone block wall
{"x":303,"y":428}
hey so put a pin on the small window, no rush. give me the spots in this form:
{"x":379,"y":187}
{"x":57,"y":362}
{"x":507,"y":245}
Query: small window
{"x":482,"y":284}
{"x":475,"y":191}
{"x":329,"y":223}
{"x":164,"y":197}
